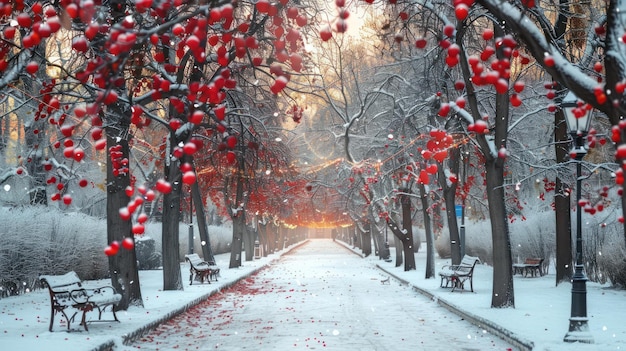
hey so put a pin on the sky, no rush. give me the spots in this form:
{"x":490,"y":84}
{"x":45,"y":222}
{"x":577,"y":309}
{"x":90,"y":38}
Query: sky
{"x":322,"y":295}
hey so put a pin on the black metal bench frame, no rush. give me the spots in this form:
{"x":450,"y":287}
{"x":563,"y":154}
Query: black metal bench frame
{"x":201,"y":270}
{"x":531,"y":266}
{"x":67,"y":293}
{"x":457,"y":275}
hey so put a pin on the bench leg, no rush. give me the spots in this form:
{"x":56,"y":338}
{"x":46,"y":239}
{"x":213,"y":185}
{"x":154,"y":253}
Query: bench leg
{"x":68,"y":319}
{"x":83,"y":320}
{"x":456,"y":283}
{"x":103,"y":309}
{"x":51,"y":320}
{"x":214,"y":274}
{"x":459,"y":282}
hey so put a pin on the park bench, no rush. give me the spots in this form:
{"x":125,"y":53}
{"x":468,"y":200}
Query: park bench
{"x":68,"y":294}
{"x":531,"y":266}
{"x":201,"y":270}
{"x":457,"y":275}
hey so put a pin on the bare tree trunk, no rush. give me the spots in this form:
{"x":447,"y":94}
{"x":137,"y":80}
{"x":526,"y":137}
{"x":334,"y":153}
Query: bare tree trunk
{"x":123,"y":266}
{"x":375,"y":232}
{"x":239,"y":226}
{"x":35,"y":137}
{"x":366,"y":240}
{"x":449,"y":195}
{"x":172,"y":279}
{"x":562,"y":207}
{"x":502,"y":295}
{"x":399,"y":249}
{"x":5,"y":131}
{"x":271,"y":237}
{"x":263,"y":237}
{"x":428,"y":232}
{"x":207,"y":251}
{"x":248,"y":242}
{"x":564,"y":260}
{"x":356,"y":237}
{"x":407,"y":231}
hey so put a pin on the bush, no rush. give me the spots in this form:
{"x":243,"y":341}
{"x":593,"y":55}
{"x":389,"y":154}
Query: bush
{"x":604,"y":250}
{"x":610,"y":256}
{"x":148,"y":256}
{"x":477,"y":241}
{"x":533,"y":237}
{"x":54,"y":243}
{"x":57,"y":242}
{"x":219,"y":237}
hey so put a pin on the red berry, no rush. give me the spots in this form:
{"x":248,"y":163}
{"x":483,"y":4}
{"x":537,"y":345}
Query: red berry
{"x":128,"y":243}
{"x":32,"y":67}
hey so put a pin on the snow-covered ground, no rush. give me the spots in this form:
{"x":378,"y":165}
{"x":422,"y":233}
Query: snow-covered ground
{"x":320,"y":296}
{"x":541,"y":315}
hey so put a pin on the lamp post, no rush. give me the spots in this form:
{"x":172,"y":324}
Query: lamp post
{"x":578,"y":119}
{"x":190,"y":243}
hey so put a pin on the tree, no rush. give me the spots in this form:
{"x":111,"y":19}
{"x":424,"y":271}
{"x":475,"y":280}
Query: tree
{"x":168,"y":62}
{"x":570,"y":69}
{"x":456,"y":42}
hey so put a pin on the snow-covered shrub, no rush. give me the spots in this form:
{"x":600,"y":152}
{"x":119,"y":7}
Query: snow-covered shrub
{"x":220,"y":238}
{"x":148,"y":255}
{"x":43,"y":240}
{"x":477,"y":241}
{"x":603,"y":243}
{"x":606,"y":256}
{"x":534,"y":237}
{"x":417,"y":239}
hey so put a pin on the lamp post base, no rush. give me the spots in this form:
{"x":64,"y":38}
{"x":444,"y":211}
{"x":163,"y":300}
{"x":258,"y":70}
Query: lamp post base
{"x":578,"y":331}
{"x":578,"y":321}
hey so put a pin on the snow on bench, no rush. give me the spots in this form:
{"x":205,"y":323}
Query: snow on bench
{"x":457,"y":275}
{"x":530,"y":266}
{"x":201,"y":270}
{"x":67,"y":292}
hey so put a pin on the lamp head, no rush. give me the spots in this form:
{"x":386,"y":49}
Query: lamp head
{"x":577,"y":115}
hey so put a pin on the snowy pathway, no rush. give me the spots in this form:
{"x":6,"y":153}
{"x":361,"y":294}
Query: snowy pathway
{"x":314,"y":298}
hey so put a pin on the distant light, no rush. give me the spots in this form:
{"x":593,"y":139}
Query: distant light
{"x":7,"y":187}
{"x":268,"y":172}
{"x":278,"y":140}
